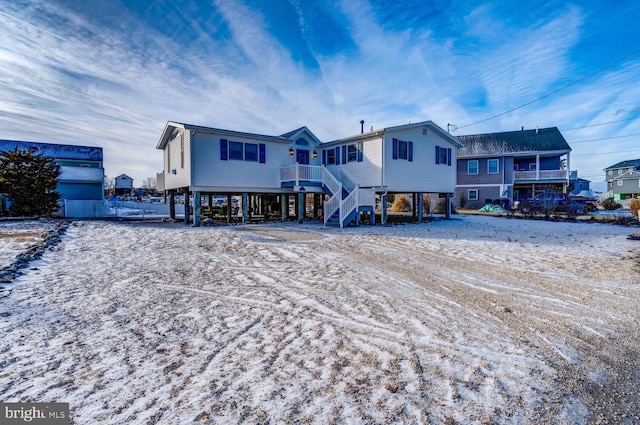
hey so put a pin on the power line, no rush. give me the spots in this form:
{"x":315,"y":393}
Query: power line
{"x":605,"y":138}
{"x":603,"y":153}
{"x":556,"y":91}
{"x":597,"y":125}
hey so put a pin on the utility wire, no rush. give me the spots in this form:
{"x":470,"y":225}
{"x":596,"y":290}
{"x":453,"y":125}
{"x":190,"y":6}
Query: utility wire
{"x":556,"y":91}
{"x":604,"y":138}
{"x":597,"y":125}
{"x":602,"y":153}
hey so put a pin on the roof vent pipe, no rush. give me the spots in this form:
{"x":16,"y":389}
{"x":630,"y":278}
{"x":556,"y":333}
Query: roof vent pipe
{"x":361,"y":126}
{"x":522,"y":128}
{"x":536,"y":129}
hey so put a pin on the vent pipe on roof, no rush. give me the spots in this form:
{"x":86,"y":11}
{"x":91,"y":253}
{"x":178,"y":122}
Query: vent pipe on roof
{"x":361,"y":126}
{"x":522,"y":128}
{"x":536,"y":129}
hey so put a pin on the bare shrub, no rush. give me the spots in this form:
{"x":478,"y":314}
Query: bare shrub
{"x":634,"y":206}
{"x":610,"y":204}
{"x":400,"y":204}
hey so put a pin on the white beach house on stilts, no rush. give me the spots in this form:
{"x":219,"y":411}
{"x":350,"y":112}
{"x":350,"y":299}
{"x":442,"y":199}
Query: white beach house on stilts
{"x":295,"y":176}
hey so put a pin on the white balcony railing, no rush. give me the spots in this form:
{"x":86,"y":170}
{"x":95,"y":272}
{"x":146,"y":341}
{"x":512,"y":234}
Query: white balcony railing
{"x":541,"y":175}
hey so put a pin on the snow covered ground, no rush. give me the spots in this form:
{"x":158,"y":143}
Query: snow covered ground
{"x":474,"y":320}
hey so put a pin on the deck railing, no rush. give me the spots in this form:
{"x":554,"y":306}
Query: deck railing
{"x":541,"y":175}
{"x":298,"y":172}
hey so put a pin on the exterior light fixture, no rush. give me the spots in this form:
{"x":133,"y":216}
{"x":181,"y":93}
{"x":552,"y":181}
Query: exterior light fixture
{"x":290,"y":151}
{"x":315,"y":154}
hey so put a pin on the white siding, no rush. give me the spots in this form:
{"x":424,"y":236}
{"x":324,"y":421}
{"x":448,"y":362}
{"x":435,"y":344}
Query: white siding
{"x":182,"y":177}
{"x":367,"y":173}
{"x":212,"y":173}
{"x":422,"y":174}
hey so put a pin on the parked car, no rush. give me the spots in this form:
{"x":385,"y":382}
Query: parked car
{"x":546,"y":203}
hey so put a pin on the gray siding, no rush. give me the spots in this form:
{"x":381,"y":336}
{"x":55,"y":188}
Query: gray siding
{"x":628,"y":186}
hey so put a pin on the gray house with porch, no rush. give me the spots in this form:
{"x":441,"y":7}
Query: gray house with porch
{"x":511,"y":166}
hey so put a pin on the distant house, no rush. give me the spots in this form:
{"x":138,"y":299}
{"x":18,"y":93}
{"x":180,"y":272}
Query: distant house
{"x":295,"y":175}
{"x":578,"y":184}
{"x":81,"y":167}
{"x":623,"y":180}
{"x":124,"y":184}
{"x":512,"y":165}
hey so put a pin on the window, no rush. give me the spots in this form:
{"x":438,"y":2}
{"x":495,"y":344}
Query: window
{"x":493,"y":166}
{"x":620,"y":182}
{"x":472,"y":167}
{"x":255,"y":152}
{"x":532,"y":167}
{"x":472,"y":195}
{"x":516,"y":167}
{"x":351,"y":153}
{"x":610,"y":172}
{"x":402,"y":150}
{"x":174,"y":134}
{"x":251,"y":152}
{"x":619,"y":171}
{"x":331,"y":156}
{"x":236,"y":151}
{"x":181,"y":151}
{"x":443,"y":155}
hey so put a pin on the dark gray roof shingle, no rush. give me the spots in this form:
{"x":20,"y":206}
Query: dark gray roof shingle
{"x":56,"y":151}
{"x":625,"y":164}
{"x":538,"y":140}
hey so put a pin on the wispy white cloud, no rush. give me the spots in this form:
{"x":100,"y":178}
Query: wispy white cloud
{"x":113,"y":76}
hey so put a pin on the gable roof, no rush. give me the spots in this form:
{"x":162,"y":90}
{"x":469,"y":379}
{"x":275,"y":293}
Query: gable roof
{"x":295,"y":134}
{"x":538,"y":140}
{"x":285,"y":138}
{"x":635,"y":163}
{"x":429,"y":124}
{"x":55,"y":151}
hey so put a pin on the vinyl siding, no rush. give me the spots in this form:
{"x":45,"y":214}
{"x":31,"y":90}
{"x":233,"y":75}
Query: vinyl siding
{"x":80,"y":191}
{"x":213,"y":173}
{"x":628,"y":186}
{"x":182,"y":178}
{"x":368,"y":172}
{"x":484,"y":193}
{"x":422,"y":174}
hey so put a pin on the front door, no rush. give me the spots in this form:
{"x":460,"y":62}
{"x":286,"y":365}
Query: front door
{"x":302,"y":156}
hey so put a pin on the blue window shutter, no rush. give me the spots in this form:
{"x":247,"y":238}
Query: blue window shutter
{"x":449,"y":156}
{"x":395,"y":149}
{"x":223,"y":150}
{"x":410,"y":153}
{"x":360,"y":148}
{"x":262,"y":153}
{"x":324,"y":157}
{"x":344,"y":154}
{"x":337,"y":156}
{"x":437,"y":154}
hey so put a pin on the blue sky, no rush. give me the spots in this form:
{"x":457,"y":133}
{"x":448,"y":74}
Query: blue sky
{"x":111,"y":74}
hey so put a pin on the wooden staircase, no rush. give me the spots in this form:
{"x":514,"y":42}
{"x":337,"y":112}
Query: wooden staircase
{"x":346,"y":200}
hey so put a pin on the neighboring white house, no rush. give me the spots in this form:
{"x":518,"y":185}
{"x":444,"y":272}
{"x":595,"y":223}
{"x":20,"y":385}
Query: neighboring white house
{"x":294,"y":173}
{"x":124,"y":184}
